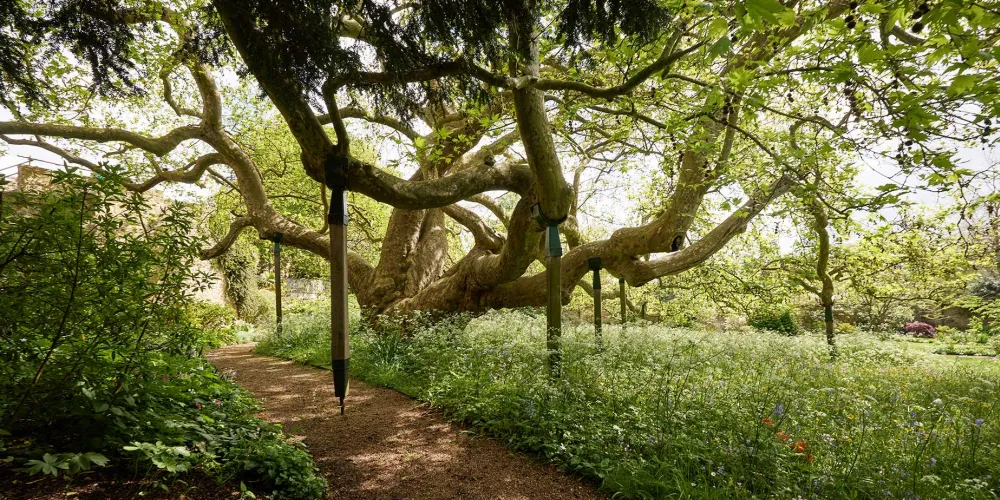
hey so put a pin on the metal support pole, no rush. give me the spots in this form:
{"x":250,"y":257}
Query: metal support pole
{"x":554,"y":313}
{"x":595,"y":265}
{"x":3,"y":186}
{"x":340,"y":342}
{"x":553,"y":253}
{"x":277,"y":280}
{"x":621,"y":287}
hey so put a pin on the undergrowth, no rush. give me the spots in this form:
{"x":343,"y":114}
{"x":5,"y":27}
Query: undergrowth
{"x":661,"y":412}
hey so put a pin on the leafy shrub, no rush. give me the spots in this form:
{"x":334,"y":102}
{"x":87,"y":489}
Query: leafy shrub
{"x":965,"y":350}
{"x":240,"y":280}
{"x":216,"y":323}
{"x":98,"y":336}
{"x":945,"y":332}
{"x":87,"y":293}
{"x":775,"y":320}
{"x":845,"y":329}
{"x":986,"y":287}
{"x":258,"y":309}
{"x":919,"y":329}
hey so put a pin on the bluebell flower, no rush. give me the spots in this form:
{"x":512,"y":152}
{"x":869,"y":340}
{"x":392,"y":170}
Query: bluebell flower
{"x":979,"y":422}
{"x":779,"y":410}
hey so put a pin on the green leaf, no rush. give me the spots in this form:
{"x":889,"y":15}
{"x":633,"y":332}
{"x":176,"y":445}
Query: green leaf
{"x":718,"y":28}
{"x":767,"y":10}
{"x":869,"y":54}
{"x":873,"y":8}
{"x":96,"y":458}
{"x":961,"y":84}
{"x":721,"y":47}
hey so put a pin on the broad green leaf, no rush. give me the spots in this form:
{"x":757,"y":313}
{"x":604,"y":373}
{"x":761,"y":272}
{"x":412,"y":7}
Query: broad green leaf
{"x":960,"y":84}
{"x":718,"y":28}
{"x":868,"y":54}
{"x":96,"y":458}
{"x":767,"y":10}
{"x":721,"y":47}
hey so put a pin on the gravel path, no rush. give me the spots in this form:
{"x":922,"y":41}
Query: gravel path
{"x":388,"y":445}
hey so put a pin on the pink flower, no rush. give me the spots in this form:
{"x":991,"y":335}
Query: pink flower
{"x":217,"y":402}
{"x":197,"y":405}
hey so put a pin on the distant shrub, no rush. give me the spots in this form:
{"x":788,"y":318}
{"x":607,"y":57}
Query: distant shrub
{"x":258,"y":309}
{"x":215,"y":323}
{"x":945,"y":331}
{"x":240,"y":280}
{"x":845,"y":329}
{"x":920,"y":329}
{"x":775,"y":320}
{"x":986,"y":287}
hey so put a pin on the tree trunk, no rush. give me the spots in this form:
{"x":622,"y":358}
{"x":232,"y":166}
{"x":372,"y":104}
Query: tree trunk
{"x":820,"y":225}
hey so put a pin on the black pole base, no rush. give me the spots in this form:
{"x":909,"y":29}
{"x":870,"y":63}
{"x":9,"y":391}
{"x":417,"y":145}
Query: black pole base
{"x":341,"y":369}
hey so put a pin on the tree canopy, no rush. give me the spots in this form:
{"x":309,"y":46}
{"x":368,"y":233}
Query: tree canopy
{"x":716,"y":109}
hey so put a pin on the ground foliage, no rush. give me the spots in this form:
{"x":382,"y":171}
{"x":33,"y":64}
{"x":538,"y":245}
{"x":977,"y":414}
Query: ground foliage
{"x":99,"y":343}
{"x":664,"y":412}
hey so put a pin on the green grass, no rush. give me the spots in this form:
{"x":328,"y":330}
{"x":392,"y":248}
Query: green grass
{"x":661,"y":412}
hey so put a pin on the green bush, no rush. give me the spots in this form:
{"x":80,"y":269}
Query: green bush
{"x":87,"y":293}
{"x":240,"y":282}
{"x":98,"y":336}
{"x":673,"y":413}
{"x":216,"y":323}
{"x":776,"y":320}
{"x":258,"y":309}
{"x":845,"y":329}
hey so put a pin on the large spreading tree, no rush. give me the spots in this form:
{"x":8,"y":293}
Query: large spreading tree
{"x":502,"y":106}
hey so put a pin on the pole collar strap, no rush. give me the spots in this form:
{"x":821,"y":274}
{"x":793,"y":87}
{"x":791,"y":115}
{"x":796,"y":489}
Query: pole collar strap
{"x":553,"y":248}
{"x":335,"y":172}
{"x":594,"y":263}
{"x":536,"y":212}
{"x":335,"y":175}
{"x":278,"y":237}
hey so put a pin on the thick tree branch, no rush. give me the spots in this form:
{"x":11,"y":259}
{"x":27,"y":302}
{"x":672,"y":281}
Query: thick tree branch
{"x":193,"y":173}
{"x":386,"y":188}
{"x":530,"y":290}
{"x":222,"y":246}
{"x":359,"y":113}
{"x":168,"y":96}
{"x":330,"y":97}
{"x":666,"y":59}
{"x":493,"y":206}
{"x":156,"y":145}
{"x":484,"y":235}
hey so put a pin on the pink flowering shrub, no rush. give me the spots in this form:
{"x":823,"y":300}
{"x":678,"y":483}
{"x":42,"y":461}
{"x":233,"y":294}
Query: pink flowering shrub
{"x":920,"y":330}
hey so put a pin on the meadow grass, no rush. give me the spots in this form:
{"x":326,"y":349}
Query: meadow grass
{"x":657,"y":412}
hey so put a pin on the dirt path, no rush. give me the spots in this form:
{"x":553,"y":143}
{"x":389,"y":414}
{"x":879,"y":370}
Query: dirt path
{"x":388,"y":445}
